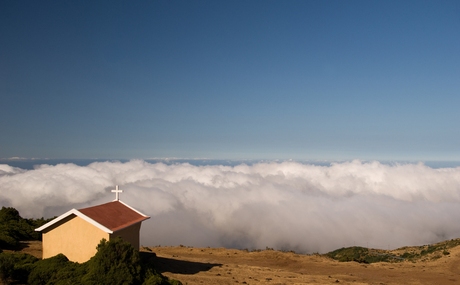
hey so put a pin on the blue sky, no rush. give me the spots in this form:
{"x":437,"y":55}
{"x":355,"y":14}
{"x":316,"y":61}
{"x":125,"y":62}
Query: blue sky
{"x":230,"y":79}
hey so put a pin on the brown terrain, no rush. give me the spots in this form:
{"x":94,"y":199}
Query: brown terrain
{"x":230,"y":266}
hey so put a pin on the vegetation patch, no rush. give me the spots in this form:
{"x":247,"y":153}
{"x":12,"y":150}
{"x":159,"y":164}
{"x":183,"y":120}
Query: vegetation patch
{"x":13,"y":228}
{"x":359,"y":254}
{"x":429,"y":252}
{"x":365,"y":255}
{"x":116,"y":262}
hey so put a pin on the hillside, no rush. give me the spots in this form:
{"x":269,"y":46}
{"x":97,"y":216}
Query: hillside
{"x":433,"y":264}
{"x":429,"y":264}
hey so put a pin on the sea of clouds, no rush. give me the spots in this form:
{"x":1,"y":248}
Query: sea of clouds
{"x":288,"y":205}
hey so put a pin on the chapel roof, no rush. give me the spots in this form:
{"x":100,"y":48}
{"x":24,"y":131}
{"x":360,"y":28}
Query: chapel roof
{"x":109,"y":217}
{"x":114,"y":215}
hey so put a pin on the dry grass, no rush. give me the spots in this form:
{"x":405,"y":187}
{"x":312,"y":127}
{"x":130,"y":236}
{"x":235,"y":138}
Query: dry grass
{"x":32,"y":247}
{"x":229,"y":266}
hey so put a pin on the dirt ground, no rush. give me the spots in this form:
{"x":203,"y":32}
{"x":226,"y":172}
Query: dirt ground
{"x":33,"y":247}
{"x":228,"y":266}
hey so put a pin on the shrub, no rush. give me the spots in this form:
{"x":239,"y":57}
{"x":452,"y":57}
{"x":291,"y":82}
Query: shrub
{"x":350,"y":254}
{"x":359,"y":254}
{"x":13,"y":228}
{"x":16,"y":266}
{"x":407,"y":255}
{"x":6,"y":266}
{"x":23,"y":264}
{"x":7,"y":239}
{"x":46,"y":270}
{"x":153,"y":280}
{"x":116,"y":262}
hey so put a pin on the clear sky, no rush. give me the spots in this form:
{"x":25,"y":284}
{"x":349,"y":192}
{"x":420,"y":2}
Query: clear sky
{"x":230,"y":79}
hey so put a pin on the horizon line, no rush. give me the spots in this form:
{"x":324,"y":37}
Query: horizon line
{"x":228,"y":159}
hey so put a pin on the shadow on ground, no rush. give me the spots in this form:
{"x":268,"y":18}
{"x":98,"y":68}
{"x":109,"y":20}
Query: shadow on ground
{"x":163,"y":264}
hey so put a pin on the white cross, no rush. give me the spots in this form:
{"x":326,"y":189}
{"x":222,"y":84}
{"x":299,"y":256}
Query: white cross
{"x":117,"y":191}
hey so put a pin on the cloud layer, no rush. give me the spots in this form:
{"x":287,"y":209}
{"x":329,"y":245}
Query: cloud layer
{"x":306,"y":208}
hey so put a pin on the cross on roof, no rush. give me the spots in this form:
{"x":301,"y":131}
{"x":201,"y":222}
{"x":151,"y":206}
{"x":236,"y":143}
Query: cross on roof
{"x":117,"y":192}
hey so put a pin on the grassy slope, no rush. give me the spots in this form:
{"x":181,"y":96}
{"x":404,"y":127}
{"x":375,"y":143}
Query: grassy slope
{"x":411,"y":253}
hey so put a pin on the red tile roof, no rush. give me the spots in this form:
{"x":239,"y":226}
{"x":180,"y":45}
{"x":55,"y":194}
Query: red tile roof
{"x":114,"y":215}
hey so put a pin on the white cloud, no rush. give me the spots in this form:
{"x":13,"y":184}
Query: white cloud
{"x":285,"y":205}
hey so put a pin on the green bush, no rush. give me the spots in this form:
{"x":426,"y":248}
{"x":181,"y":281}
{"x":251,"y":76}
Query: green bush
{"x":16,"y":266}
{"x":154,"y":280}
{"x":7,"y":239}
{"x":359,"y":254}
{"x":355,"y":253}
{"x":13,"y":228}
{"x":6,"y":266}
{"x":9,"y":214}
{"x":407,"y":255}
{"x":116,"y":262}
{"x":46,"y":269}
{"x":71,"y":273}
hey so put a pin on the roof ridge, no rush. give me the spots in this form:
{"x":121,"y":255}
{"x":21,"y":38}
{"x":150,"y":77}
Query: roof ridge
{"x":132,"y":208}
{"x":78,"y":214}
{"x":101,"y":217}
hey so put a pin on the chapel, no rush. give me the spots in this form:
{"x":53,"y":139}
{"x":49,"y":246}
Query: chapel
{"x":77,"y":233}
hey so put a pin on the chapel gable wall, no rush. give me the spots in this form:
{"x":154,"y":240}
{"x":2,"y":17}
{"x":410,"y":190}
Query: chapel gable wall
{"x":74,"y":237}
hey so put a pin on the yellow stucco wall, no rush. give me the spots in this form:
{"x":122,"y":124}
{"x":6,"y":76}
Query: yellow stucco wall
{"x":74,"y":237}
{"x":130,"y":234}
